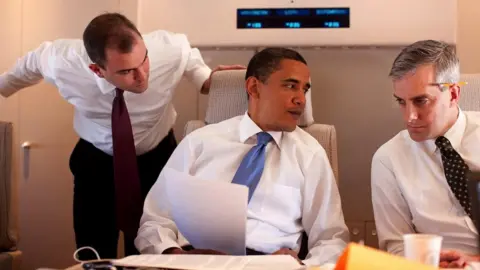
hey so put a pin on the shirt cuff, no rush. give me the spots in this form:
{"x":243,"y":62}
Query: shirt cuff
{"x":159,"y":249}
{"x":6,"y":89}
{"x":200,"y":76}
{"x":147,"y":247}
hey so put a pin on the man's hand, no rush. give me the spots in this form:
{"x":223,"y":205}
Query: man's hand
{"x":206,"y":84}
{"x":455,"y":259}
{"x":193,"y":251}
{"x":287,"y":251}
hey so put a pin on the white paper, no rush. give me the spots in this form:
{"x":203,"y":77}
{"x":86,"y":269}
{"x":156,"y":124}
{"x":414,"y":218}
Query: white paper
{"x":210,"y":214}
{"x":210,"y":262}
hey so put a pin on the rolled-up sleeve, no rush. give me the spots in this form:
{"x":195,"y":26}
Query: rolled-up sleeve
{"x":392,"y":214}
{"x":323,"y":218}
{"x":29,"y":69}
{"x":197,"y":71}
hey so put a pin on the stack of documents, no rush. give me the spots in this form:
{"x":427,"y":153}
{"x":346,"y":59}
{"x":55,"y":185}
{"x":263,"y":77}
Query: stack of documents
{"x":210,"y":262}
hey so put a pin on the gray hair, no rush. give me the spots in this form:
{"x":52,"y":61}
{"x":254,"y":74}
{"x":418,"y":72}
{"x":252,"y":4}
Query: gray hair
{"x":425,"y":52}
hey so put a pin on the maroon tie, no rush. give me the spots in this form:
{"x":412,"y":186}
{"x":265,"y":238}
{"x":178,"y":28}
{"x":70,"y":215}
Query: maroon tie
{"x":128,"y":197}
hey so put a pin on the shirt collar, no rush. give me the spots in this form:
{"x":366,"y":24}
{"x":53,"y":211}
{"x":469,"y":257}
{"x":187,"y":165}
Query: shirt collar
{"x":104,"y":85}
{"x":248,"y":128}
{"x":454,"y":134}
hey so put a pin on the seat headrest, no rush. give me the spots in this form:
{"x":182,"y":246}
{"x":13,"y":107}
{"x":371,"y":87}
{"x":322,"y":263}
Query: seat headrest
{"x":470,"y":93}
{"x":228,"y":98}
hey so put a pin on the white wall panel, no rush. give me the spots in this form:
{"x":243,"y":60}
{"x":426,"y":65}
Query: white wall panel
{"x":351,"y":90}
{"x":46,"y":119}
{"x":372,"y":22}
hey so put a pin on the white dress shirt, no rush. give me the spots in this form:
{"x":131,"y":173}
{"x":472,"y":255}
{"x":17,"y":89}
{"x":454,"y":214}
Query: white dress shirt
{"x":410,"y":193}
{"x":297,"y":191}
{"x":64,"y":63}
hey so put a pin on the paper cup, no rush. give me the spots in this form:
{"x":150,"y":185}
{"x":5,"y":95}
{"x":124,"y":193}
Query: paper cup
{"x":473,"y":266}
{"x":423,"y":248}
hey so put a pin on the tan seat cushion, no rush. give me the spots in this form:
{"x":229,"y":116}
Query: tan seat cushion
{"x":470,"y":93}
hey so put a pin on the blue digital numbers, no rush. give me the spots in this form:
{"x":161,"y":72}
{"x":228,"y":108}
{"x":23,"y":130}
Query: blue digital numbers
{"x":292,"y":25}
{"x":293,"y":18}
{"x":254,"y":25}
{"x":332,"y":24}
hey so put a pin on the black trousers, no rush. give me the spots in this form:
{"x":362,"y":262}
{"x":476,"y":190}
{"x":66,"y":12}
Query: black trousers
{"x":94,"y":195}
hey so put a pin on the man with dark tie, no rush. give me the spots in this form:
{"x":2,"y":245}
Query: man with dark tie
{"x":419,"y":182}
{"x":121,"y":86}
{"x":292,"y":188}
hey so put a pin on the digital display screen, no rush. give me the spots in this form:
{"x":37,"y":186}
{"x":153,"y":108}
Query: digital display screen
{"x":259,"y":18}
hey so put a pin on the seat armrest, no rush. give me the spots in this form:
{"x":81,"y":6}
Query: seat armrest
{"x":326,"y":135}
{"x":192,"y":125}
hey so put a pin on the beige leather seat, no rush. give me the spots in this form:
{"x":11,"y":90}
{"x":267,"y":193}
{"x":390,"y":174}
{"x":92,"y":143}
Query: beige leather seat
{"x":470,"y":93}
{"x":10,"y":256}
{"x":228,"y":98}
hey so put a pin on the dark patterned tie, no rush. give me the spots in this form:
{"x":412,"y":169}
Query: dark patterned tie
{"x":128,"y":198}
{"x":456,"y":172}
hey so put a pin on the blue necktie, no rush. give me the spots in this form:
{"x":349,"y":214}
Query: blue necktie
{"x":251,"y":168}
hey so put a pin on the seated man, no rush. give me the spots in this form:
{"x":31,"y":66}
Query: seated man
{"x":296,"y":192}
{"x":419,"y":176}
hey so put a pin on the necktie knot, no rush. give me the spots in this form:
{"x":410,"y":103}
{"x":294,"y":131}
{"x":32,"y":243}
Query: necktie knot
{"x":443,"y":143}
{"x":263,"y":138}
{"x":119,"y":92}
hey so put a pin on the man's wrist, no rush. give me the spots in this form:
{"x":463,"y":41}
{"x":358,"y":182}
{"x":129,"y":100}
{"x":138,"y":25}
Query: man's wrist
{"x":173,"y":250}
{"x":475,"y":258}
{"x":205,"y":90}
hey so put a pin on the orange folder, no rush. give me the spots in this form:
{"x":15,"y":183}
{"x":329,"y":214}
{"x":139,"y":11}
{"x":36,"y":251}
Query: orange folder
{"x":358,"y":257}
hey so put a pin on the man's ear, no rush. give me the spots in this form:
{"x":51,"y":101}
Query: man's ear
{"x":252,"y":85}
{"x":96,"y":69}
{"x":454,"y":94}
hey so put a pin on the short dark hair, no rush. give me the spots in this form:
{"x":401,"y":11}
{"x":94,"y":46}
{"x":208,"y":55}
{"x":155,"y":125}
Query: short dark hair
{"x":268,"y":60}
{"x":109,"y":30}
